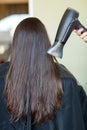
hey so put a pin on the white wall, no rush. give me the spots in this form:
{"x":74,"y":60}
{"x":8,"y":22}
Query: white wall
{"x":75,"y":50}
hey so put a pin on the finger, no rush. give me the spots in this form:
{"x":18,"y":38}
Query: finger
{"x":75,"y":30}
{"x":83,"y":35}
{"x":79,"y":32}
{"x":85,"y":39}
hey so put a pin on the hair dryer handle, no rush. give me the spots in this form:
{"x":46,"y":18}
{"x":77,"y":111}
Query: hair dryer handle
{"x":78,"y":25}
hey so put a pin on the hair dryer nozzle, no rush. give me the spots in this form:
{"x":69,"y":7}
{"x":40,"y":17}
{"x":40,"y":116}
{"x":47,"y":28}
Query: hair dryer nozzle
{"x":56,"y":50}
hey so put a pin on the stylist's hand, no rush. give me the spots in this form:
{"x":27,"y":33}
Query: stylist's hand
{"x":83,"y":35}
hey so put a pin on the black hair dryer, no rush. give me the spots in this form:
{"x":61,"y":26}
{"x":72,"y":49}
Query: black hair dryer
{"x":68,"y":23}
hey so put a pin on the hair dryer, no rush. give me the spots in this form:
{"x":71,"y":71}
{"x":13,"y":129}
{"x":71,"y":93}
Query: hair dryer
{"x":68,"y":23}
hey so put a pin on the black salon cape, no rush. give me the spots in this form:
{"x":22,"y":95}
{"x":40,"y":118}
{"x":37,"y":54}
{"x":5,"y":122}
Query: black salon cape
{"x":71,"y":116}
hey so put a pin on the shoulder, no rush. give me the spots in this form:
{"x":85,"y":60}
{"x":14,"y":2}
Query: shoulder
{"x":3,"y":72}
{"x":69,"y":82}
{"x":3,"y":69}
{"x":65,"y":73}
{"x":71,"y":86}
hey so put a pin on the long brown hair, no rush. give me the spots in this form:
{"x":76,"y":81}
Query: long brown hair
{"x":32,"y":79}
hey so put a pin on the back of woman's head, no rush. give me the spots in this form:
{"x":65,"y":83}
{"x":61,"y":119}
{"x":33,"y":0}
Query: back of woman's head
{"x":32,"y":79}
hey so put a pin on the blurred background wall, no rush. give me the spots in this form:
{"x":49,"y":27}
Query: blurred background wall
{"x":11,"y":13}
{"x":75,"y":50}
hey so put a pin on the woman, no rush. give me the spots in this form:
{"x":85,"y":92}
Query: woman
{"x":39,"y":93}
